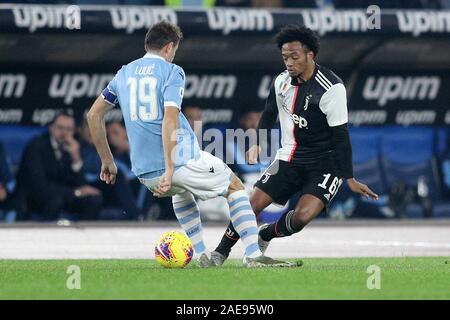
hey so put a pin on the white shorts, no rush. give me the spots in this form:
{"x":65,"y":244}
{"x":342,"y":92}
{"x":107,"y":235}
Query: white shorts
{"x":206,"y":178}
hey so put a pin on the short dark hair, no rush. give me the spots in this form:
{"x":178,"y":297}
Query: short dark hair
{"x":162,"y":33}
{"x":295,"y":32}
{"x":62,"y":113}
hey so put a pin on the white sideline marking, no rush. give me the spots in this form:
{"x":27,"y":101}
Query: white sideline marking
{"x":138,"y":243}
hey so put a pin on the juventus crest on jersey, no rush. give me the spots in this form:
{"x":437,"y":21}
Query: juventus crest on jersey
{"x":306,"y":111}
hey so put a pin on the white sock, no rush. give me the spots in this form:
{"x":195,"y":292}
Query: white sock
{"x":188,"y":215}
{"x":244,"y":221}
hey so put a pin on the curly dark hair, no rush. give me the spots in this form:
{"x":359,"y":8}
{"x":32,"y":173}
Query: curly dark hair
{"x":161,"y":34}
{"x":295,"y":32}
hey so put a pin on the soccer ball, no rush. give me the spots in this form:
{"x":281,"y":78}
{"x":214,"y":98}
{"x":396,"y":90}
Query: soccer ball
{"x":174,"y":250}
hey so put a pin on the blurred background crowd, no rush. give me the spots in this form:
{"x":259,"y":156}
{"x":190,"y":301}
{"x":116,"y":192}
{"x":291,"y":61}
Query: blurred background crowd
{"x":49,"y":169}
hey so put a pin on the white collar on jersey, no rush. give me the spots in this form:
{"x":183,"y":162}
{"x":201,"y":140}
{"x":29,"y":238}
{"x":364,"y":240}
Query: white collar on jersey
{"x":155,"y":56}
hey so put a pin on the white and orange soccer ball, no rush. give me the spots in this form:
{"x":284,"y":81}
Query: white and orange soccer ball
{"x":174,"y":250}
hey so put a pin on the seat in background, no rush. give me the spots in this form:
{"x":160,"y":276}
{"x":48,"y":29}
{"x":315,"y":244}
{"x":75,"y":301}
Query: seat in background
{"x":15,"y":138}
{"x":366,"y":147}
{"x":408,"y":156}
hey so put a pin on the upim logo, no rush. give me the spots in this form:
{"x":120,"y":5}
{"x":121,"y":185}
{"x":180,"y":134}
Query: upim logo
{"x":384,"y":89}
{"x":210,"y":86}
{"x":78,"y":85}
{"x":137,"y":18}
{"x":229,"y":20}
{"x":264,"y":86}
{"x":324,"y":21}
{"x":45,"y":116}
{"x":38,"y":17}
{"x":418,"y":21}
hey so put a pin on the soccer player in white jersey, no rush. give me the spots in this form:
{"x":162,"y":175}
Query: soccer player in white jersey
{"x":164,"y":150}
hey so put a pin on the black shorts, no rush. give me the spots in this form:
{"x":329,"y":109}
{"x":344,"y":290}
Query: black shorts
{"x":283,"y":179}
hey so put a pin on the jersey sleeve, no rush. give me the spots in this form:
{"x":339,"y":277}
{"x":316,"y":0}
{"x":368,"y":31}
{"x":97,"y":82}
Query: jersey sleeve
{"x":174,"y":89}
{"x":334,"y":105}
{"x":110,"y":92}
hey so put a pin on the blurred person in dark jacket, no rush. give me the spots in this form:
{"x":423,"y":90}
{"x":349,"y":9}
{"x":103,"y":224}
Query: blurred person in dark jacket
{"x":51,"y":175}
{"x":194,"y":116}
{"x":119,"y":194}
{"x":7,"y":186}
{"x":118,"y":140}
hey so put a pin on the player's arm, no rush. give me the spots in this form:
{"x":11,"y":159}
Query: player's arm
{"x":266,"y":122}
{"x":334,"y":104}
{"x":96,"y":122}
{"x":169,"y":139}
{"x":173,"y":96}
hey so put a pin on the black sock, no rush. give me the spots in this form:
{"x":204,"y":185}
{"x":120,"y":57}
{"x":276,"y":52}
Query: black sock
{"x":282,"y":228}
{"x":229,"y":239}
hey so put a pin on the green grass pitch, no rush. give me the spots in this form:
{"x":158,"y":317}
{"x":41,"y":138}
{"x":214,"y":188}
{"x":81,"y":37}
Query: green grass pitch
{"x":342,"y":278}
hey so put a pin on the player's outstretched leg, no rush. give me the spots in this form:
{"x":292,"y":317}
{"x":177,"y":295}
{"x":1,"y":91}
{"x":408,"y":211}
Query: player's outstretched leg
{"x":188,"y":215}
{"x":259,"y":200}
{"x":244,"y":222}
{"x":308,"y":207}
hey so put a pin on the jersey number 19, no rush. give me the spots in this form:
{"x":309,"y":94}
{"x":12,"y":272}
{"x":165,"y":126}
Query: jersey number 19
{"x":143,"y":91}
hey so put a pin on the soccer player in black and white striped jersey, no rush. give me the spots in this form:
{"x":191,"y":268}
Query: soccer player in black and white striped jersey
{"x":315,"y":155}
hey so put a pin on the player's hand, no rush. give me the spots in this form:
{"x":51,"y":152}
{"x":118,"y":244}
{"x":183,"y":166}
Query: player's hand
{"x":86,"y":191}
{"x":165,"y":183}
{"x":252,"y":154}
{"x":361,"y":188}
{"x":108,"y":172}
{"x":72,"y":147}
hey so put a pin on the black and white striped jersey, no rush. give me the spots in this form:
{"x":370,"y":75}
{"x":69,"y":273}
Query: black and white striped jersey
{"x":307,"y":111}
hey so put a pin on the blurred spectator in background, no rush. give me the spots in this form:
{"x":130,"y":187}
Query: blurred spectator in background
{"x":193,"y":114}
{"x":7,"y":185}
{"x":247,"y":121}
{"x":444,"y":164}
{"x":118,"y":195}
{"x":51,"y":178}
{"x":158,"y":209}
